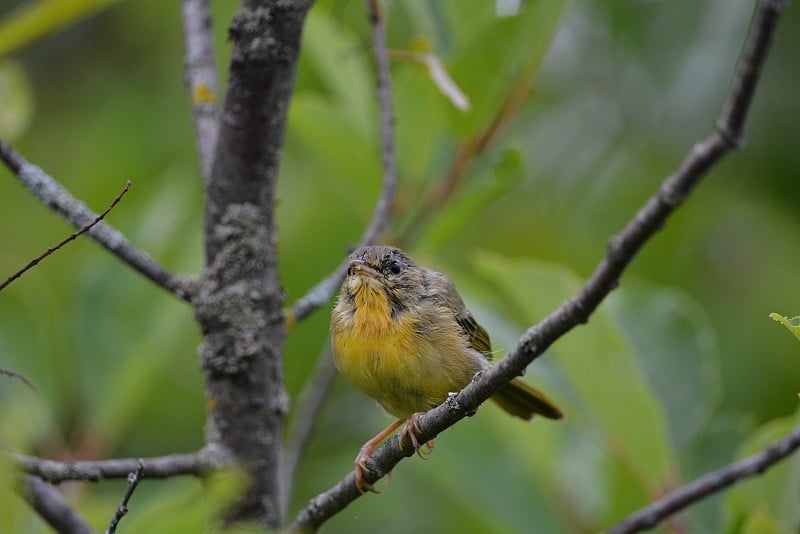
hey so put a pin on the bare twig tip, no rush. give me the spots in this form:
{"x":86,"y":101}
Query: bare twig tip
{"x":21,"y":377}
{"x":133,"y":480}
{"x":69,"y":238}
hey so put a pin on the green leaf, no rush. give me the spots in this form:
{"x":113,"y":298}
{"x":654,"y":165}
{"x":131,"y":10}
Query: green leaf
{"x":792,"y":324}
{"x":334,"y":55}
{"x":607,"y":396}
{"x":715,"y":447}
{"x":507,"y":173}
{"x":13,"y":517}
{"x":760,"y":522}
{"x":22,"y":418}
{"x":419,"y":131}
{"x":509,"y":52}
{"x":770,"y":497}
{"x":16,"y":101}
{"x":344,"y":159}
{"x":501,"y":451}
{"x":137,"y":373}
{"x":676,"y":346}
{"x":36,"y":19}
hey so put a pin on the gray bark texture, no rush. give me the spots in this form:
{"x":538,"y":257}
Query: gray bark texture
{"x":239,"y":305}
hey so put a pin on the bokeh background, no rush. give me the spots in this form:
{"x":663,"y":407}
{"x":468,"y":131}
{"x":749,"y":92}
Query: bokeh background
{"x":681,"y":371}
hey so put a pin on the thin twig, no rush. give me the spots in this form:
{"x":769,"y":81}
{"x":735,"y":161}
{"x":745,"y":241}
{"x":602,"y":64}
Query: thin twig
{"x":311,"y":399}
{"x":56,"y":197}
{"x":304,"y":417}
{"x":20,"y":376}
{"x":196,"y":464}
{"x":52,"y":506}
{"x":133,"y":480}
{"x":69,"y":238}
{"x":201,"y":77}
{"x":710,"y":483}
{"x":322,"y":292}
{"x":620,"y":252}
{"x":388,"y":157}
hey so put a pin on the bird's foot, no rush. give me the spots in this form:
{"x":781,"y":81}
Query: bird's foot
{"x":361,"y":466}
{"x":410,"y":431}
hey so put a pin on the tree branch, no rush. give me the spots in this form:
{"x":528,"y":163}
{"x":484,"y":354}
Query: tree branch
{"x":304,"y":416}
{"x":133,"y":481}
{"x":19,"y":376}
{"x":240,"y":302}
{"x":621,"y":250}
{"x":201,"y":77}
{"x":197,"y":464}
{"x":52,"y":506}
{"x":57,"y":198}
{"x":322,"y":292}
{"x":75,"y":235}
{"x":707,"y":485}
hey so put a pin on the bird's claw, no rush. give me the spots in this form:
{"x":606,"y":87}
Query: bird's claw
{"x":410,"y":431}
{"x":360,"y":467}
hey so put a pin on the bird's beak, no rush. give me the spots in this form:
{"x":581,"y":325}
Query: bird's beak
{"x":360,"y":268}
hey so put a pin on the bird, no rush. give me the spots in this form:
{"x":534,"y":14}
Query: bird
{"x":401,"y":334}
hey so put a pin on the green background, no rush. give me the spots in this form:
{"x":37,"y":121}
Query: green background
{"x":678,"y":373}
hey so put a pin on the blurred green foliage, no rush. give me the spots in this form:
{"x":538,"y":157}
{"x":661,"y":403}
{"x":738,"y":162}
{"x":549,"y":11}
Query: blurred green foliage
{"x":32,"y":20}
{"x":672,"y":377}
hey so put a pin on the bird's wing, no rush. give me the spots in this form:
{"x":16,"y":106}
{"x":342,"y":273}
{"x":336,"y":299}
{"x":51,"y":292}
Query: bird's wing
{"x":447,"y":295}
{"x":478,"y":337}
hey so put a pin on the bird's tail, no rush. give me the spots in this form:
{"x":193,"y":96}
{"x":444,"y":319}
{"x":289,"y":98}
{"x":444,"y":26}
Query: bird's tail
{"x":522,"y":400}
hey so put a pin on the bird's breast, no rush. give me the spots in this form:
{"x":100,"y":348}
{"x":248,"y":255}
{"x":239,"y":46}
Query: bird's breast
{"x":387,"y":358}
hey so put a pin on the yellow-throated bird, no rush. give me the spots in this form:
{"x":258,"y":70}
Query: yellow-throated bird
{"x":401,"y":334}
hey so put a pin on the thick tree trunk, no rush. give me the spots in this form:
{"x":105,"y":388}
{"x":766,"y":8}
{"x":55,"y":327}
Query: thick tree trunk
{"x":240,"y":302}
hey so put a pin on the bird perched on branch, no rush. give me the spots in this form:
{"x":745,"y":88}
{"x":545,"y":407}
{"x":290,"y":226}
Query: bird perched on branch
{"x":401,"y":334}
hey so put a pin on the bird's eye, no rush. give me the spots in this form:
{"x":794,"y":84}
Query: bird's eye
{"x":394,"y":267}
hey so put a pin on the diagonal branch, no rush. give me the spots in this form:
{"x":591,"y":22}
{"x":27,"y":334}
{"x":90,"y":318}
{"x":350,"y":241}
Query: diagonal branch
{"x":708,"y":484}
{"x":52,"y":506}
{"x":201,"y":77}
{"x":56,"y":197}
{"x":322,"y":292}
{"x":73,"y":236}
{"x":197,"y":464}
{"x":621,"y":250}
{"x":19,"y":376}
